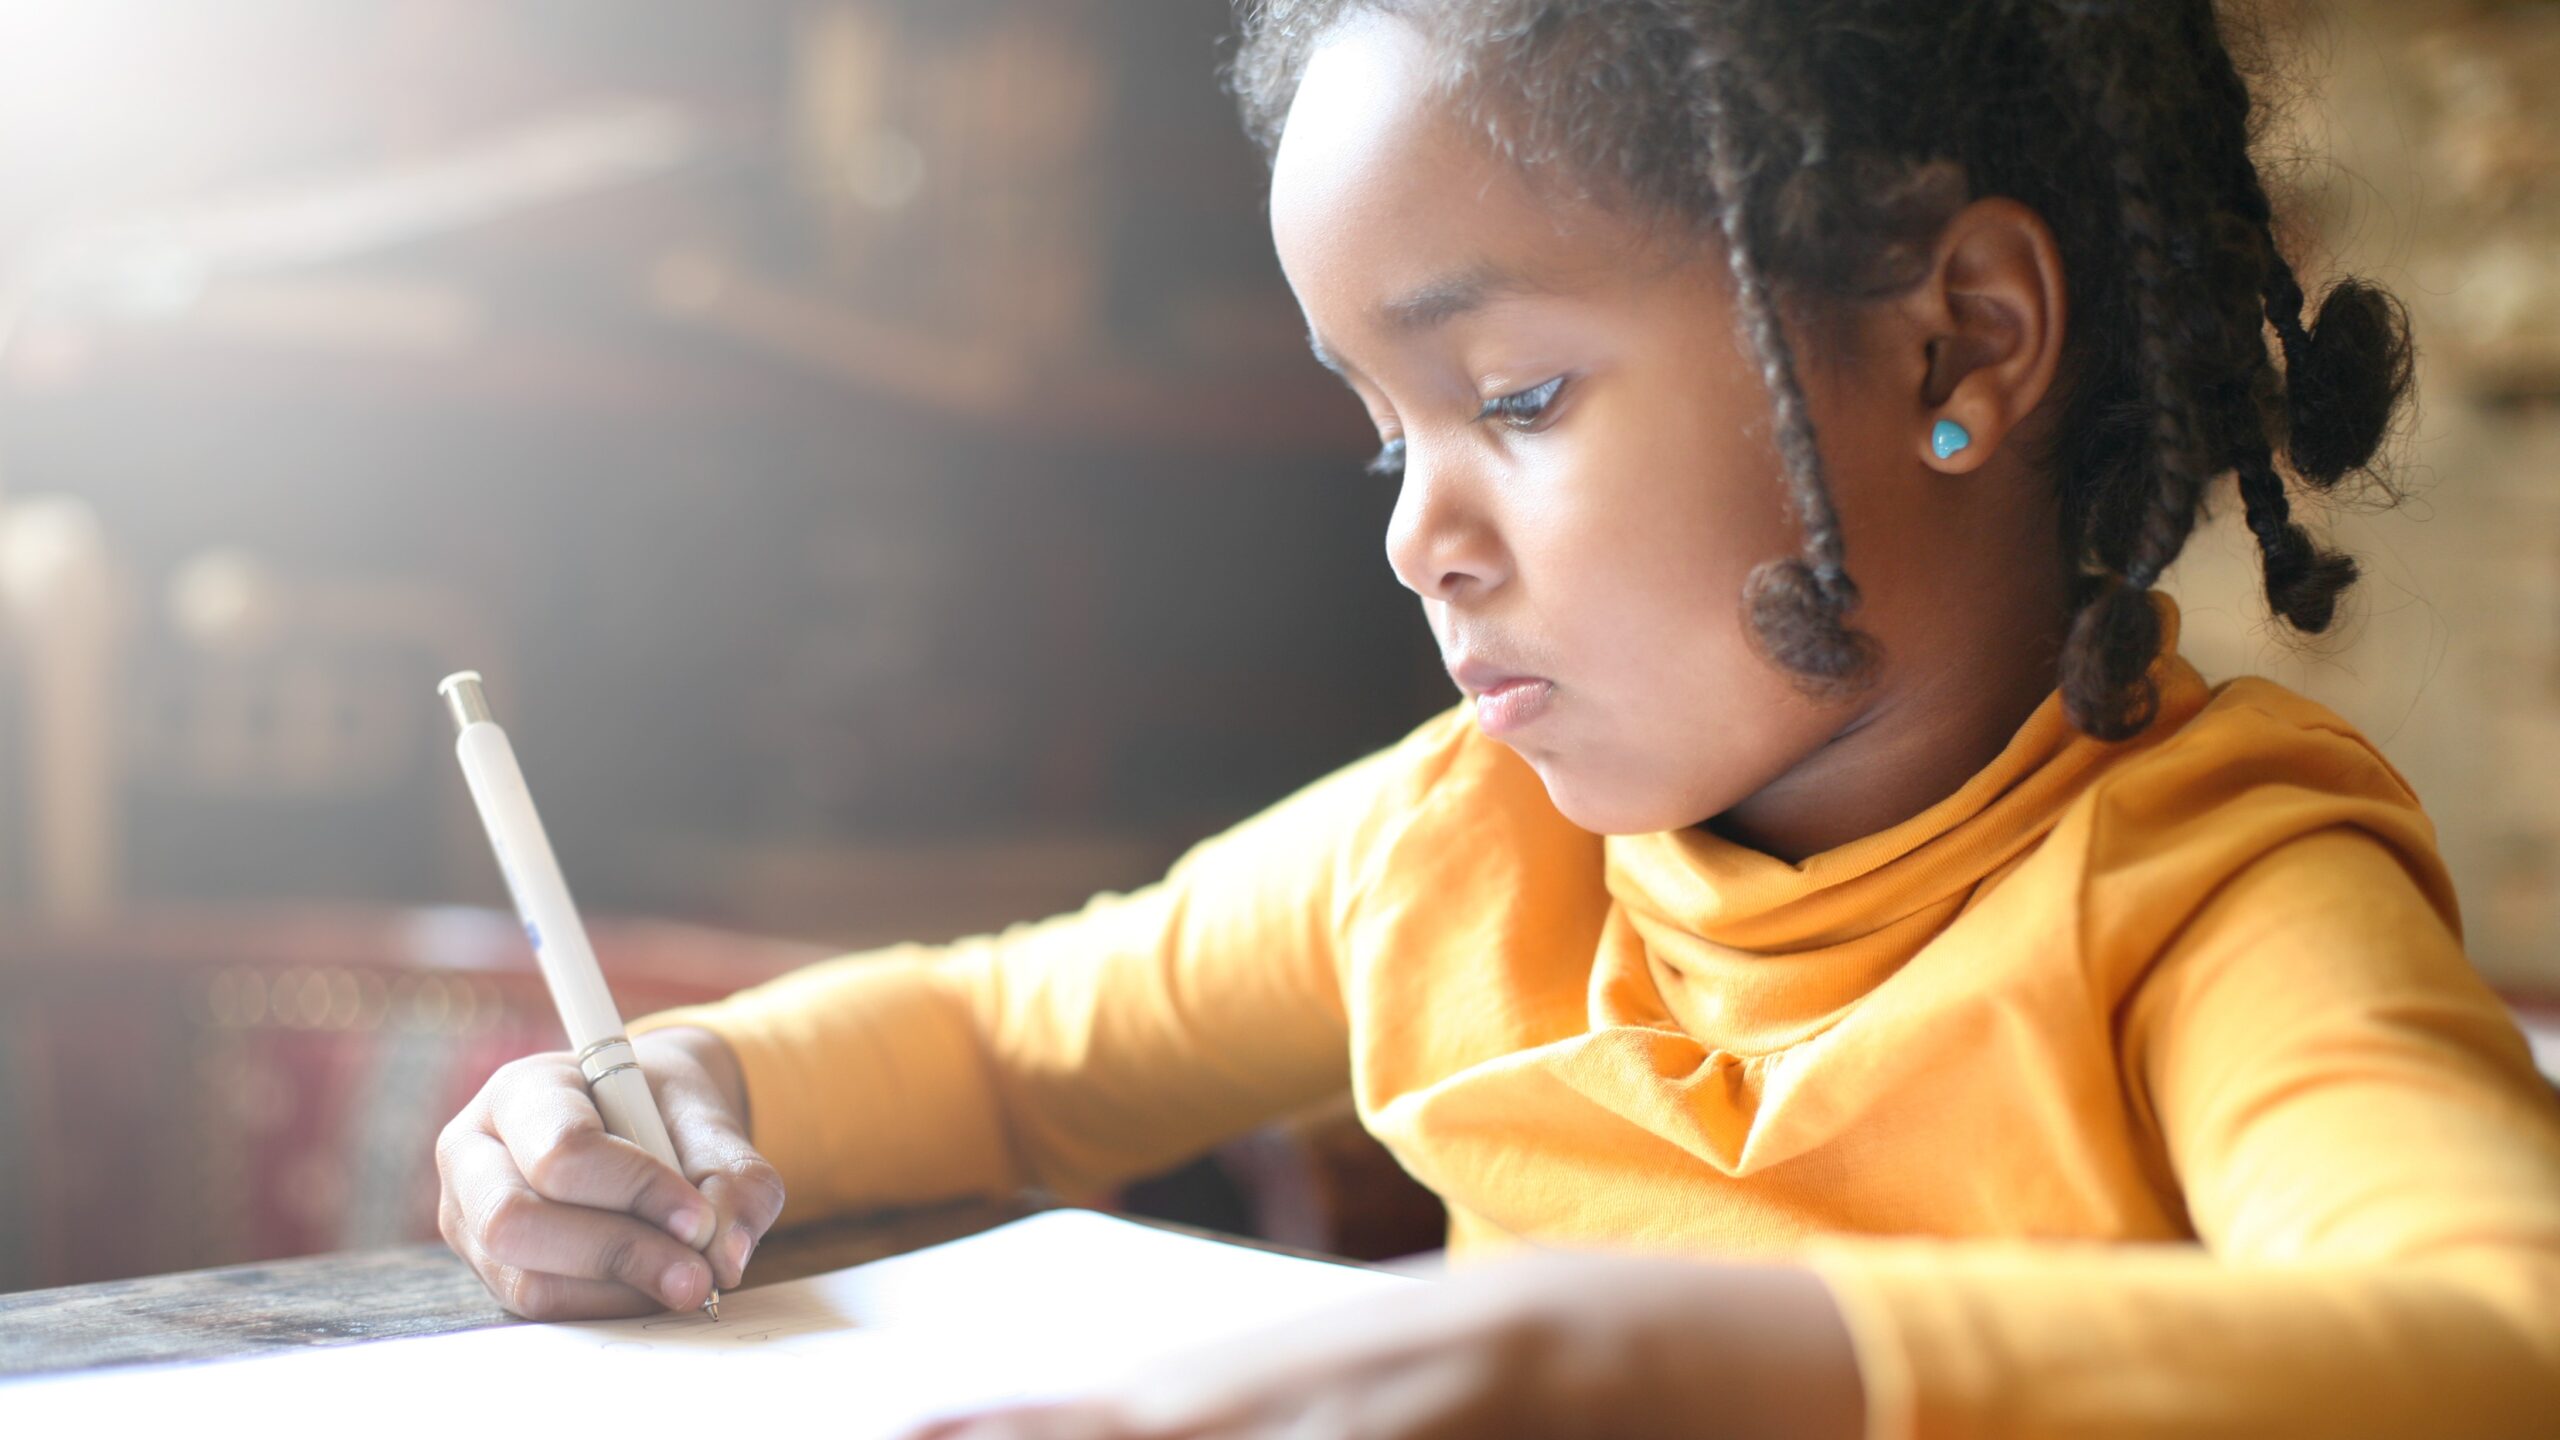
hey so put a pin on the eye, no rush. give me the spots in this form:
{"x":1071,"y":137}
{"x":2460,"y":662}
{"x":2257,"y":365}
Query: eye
{"x":1521,"y":409}
{"x":1389,"y":464}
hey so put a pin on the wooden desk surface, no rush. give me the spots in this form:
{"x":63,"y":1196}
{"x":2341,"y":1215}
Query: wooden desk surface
{"x":377,"y":1295}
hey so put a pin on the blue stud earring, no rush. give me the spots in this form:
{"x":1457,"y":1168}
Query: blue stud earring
{"x":1948,"y":438}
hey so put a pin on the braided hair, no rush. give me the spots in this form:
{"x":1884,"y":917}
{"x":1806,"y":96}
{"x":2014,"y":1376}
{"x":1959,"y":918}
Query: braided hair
{"x":1824,"y":143}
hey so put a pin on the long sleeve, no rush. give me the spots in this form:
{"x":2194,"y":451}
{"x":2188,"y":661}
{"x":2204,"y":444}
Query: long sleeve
{"x":2366,"y":1152}
{"x":1077,"y":1050}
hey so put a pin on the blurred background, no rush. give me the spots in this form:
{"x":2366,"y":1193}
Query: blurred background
{"x":869,"y":449}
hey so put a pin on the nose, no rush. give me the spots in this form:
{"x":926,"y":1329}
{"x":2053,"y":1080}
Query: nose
{"x":1441,"y":542}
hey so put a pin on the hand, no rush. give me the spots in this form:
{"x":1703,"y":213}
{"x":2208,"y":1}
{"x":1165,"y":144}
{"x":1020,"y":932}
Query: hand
{"x":1555,"y":1345}
{"x":565,"y":1222}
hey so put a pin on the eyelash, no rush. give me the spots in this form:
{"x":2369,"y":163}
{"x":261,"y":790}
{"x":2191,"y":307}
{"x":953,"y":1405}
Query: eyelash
{"x":1520,"y":410}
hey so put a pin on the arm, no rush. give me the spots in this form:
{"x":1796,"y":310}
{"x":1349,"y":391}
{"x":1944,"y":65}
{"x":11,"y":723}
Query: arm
{"x":1627,"y":1346}
{"x":1075,"y":1051}
{"x":2367,"y":1153}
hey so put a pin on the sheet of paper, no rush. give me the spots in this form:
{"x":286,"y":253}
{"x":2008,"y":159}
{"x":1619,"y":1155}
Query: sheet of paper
{"x":1046,"y":1306}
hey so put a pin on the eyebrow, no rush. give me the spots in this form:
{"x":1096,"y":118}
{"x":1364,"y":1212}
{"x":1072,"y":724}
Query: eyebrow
{"x":1437,"y":302}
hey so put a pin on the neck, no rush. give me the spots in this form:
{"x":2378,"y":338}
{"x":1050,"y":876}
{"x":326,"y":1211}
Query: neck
{"x":1918,"y":740}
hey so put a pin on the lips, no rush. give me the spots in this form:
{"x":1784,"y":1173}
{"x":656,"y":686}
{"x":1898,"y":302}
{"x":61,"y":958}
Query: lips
{"x":1479,"y":678}
{"x":1505,"y":700}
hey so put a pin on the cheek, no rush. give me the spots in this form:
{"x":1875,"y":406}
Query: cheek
{"x":1655,"y":531}
{"x":1646,"y":549}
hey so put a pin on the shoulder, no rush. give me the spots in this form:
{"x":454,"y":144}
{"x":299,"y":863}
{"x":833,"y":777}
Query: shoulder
{"x":2251,"y":742}
{"x":1443,"y":785}
{"x":1448,"y":761}
{"x":1373,"y":793}
{"x":1448,"y":808}
{"x":1447,"y":771}
{"x":2257,"y":778}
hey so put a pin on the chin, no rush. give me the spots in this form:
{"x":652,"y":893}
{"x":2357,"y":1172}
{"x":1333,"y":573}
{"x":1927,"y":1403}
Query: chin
{"x":1605,"y":809}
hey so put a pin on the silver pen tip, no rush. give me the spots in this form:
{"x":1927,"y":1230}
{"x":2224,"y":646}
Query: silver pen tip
{"x":711,"y":1303}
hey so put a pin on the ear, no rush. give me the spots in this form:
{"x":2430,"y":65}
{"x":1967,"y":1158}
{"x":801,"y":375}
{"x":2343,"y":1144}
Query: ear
{"x":1989,"y":316}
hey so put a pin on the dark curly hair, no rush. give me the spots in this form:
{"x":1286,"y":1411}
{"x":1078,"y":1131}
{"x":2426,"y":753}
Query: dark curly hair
{"x":1825,"y":142}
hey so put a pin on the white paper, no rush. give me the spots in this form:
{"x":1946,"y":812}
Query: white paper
{"x":1046,"y":1306}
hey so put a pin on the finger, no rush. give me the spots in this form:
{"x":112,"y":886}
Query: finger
{"x":746,"y":1196}
{"x":512,"y":1225}
{"x":561,"y":1148}
{"x":537,"y":1296}
{"x":744,"y":1189}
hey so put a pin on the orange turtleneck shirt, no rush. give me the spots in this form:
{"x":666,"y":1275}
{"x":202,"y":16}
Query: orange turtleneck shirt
{"x":2131,"y":1089}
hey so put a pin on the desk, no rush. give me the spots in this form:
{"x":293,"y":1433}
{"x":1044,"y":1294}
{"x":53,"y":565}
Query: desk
{"x":377,"y":1295}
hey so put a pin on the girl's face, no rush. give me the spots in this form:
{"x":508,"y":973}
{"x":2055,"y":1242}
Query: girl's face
{"x":1588,"y":472}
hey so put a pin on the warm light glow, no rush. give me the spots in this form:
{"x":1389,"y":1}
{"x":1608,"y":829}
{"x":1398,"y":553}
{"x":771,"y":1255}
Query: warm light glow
{"x":64,"y":72}
{"x":110,"y":104}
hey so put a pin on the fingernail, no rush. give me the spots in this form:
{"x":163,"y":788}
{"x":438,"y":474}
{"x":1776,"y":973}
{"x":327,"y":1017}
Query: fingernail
{"x":692,"y":1225}
{"x":734,"y":1249}
{"x":683,"y":1281}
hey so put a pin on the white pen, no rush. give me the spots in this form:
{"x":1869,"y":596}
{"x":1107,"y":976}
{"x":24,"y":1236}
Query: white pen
{"x":551,"y":922}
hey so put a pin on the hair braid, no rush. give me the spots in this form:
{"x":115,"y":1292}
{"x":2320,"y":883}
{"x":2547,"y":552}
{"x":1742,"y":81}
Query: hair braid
{"x":2106,"y":663}
{"x":2283,"y":290}
{"x":2303,"y":581}
{"x":1799,"y":606}
{"x":2284,"y":299}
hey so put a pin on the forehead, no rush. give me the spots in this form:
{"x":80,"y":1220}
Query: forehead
{"x":1387,"y":209}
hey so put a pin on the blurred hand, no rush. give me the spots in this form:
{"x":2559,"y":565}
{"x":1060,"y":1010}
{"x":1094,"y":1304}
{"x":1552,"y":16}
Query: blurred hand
{"x":1554,"y":1345}
{"x":565,"y":1222}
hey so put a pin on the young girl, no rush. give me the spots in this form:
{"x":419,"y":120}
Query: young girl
{"x":1836,"y":889}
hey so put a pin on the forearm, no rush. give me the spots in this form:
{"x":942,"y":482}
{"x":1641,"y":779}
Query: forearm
{"x":862,"y":1079}
{"x":1740,"y":1352}
{"x":1636,"y":1345}
{"x":1788,"y":1356}
{"x":1632,"y":1345}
